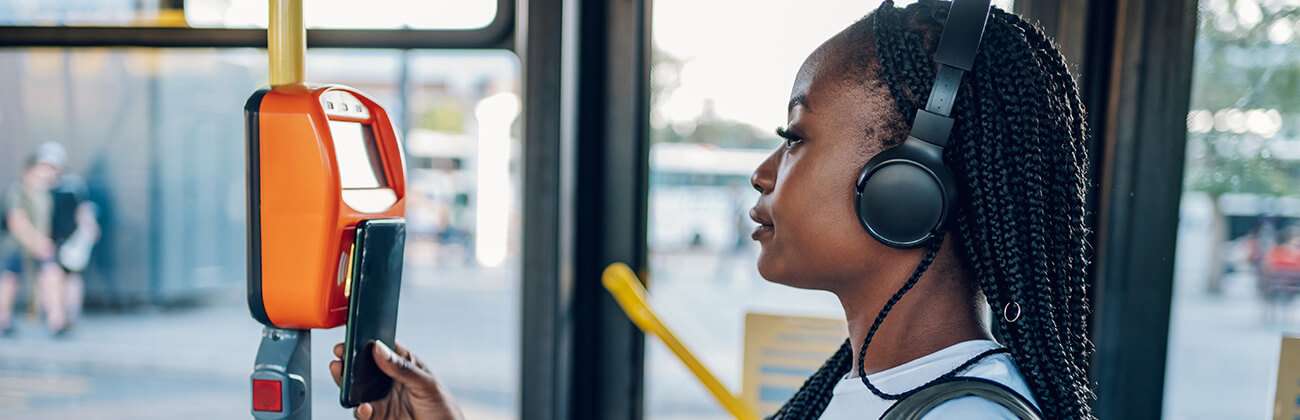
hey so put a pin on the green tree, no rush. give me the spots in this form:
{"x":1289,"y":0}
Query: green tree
{"x":1247,"y":61}
{"x":445,"y":115}
{"x":707,"y":128}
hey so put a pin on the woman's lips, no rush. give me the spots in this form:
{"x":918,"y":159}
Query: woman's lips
{"x":764,"y":228}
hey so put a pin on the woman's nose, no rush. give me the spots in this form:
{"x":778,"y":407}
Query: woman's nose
{"x":764,"y":177}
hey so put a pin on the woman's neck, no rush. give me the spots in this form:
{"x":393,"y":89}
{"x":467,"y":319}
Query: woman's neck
{"x":936,"y":313}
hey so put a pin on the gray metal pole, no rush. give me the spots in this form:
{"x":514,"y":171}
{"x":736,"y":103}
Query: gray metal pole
{"x":283,"y":364}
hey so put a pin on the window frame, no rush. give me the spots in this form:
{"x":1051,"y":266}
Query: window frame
{"x":496,"y":35}
{"x":1133,"y":59}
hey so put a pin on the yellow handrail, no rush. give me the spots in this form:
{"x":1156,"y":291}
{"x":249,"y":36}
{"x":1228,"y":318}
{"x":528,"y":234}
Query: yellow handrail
{"x":622,"y":283}
{"x":286,"y":43}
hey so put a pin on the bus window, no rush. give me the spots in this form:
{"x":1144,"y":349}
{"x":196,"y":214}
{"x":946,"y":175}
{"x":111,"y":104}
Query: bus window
{"x":156,"y":135}
{"x":1237,"y":271}
{"x":332,"y":14}
{"x":719,"y":87}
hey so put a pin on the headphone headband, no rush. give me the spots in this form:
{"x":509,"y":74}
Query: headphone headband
{"x":958,"y":45}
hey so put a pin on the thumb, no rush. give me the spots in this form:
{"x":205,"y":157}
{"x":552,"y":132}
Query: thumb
{"x":399,"y":368}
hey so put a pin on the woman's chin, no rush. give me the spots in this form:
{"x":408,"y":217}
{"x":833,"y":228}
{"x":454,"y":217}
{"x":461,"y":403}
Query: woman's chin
{"x":775,"y":271}
{"x":767,"y":268}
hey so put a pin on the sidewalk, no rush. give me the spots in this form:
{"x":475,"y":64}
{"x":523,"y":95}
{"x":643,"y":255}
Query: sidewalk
{"x":194,"y":363}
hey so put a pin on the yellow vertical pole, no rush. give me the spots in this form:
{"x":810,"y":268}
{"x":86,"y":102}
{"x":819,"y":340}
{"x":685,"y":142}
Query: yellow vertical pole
{"x":286,"y":43}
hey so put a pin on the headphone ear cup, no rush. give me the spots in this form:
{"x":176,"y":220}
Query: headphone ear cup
{"x":903,"y":196}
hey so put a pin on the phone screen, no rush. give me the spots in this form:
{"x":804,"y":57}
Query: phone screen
{"x":376,"y":278}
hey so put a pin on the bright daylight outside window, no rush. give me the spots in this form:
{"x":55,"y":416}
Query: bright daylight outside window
{"x":376,"y":14}
{"x":719,"y":87}
{"x":154,"y":140}
{"x":1238,"y":264}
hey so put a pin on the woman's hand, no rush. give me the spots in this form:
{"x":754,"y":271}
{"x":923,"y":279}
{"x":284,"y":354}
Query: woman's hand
{"x":416,"y":395}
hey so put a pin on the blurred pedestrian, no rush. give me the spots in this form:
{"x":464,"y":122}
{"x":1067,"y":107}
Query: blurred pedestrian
{"x":29,"y":249}
{"x":74,"y":229}
{"x":1279,"y":276}
{"x":1285,"y":257}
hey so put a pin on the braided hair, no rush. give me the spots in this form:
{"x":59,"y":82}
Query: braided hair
{"x":1019,"y":153}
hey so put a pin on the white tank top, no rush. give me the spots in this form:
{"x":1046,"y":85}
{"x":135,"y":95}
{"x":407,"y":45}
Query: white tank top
{"x":853,"y":401}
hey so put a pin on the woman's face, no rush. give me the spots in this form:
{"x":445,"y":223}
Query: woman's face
{"x":808,"y":229}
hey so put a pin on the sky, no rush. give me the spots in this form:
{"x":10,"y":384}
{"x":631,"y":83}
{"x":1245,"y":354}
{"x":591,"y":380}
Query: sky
{"x":742,"y":55}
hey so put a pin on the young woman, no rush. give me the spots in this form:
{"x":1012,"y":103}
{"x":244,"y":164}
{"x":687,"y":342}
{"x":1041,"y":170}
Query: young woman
{"x":1017,"y":243}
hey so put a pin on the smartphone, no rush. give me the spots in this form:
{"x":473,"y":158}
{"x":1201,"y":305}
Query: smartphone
{"x":374,"y":283}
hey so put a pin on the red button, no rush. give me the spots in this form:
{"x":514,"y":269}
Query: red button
{"x":266,"y":395}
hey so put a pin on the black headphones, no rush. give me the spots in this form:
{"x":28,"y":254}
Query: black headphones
{"x":905,"y":195}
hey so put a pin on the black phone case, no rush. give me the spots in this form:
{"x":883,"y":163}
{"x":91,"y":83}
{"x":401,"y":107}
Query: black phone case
{"x":372,"y":308}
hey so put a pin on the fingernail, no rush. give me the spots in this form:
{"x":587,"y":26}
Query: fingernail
{"x":387,"y":351}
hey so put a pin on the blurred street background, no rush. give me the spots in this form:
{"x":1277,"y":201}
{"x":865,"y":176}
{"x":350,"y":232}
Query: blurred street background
{"x":156,"y":135}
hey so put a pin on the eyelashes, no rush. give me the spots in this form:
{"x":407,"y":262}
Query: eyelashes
{"x":791,"y":139}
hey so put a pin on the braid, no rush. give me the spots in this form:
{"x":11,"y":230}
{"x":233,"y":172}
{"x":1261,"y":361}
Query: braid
{"x":910,"y":71}
{"x":1023,"y":173}
{"x":815,"y":394}
{"x":1019,"y":152}
{"x":932,"y":249}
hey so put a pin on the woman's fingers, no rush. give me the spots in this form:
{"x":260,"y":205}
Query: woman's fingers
{"x":400,"y":368}
{"x":397,"y":348}
{"x":401,"y":351}
{"x":336,"y":372}
{"x":363,"y":412}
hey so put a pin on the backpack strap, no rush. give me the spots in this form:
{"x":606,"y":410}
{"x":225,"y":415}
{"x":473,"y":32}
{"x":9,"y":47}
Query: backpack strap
{"x":917,"y":405}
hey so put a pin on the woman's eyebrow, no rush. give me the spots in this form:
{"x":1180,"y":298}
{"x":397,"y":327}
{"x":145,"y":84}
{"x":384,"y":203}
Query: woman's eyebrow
{"x":800,"y":99}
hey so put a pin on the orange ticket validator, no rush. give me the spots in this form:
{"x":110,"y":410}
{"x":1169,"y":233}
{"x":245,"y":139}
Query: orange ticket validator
{"x":320,"y":160}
